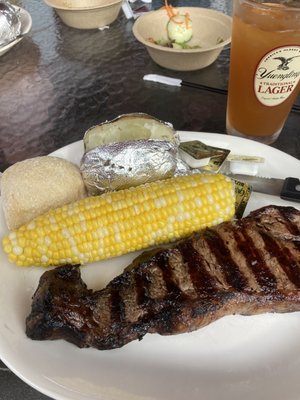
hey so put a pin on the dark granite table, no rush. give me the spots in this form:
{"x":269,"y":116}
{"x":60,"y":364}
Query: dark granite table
{"x":59,"y":81}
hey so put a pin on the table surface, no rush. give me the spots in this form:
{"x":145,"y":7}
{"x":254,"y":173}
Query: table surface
{"x":58,"y":81}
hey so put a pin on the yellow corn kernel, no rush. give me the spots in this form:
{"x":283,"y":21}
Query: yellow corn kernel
{"x":116,"y":223}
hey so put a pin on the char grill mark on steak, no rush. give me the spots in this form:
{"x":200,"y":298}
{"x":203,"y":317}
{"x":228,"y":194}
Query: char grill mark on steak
{"x":163,"y":262}
{"x":255,"y":259}
{"x":142,"y":288}
{"x":175,"y":272}
{"x":117,"y":306}
{"x":241,"y":252}
{"x":210,"y":262}
{"x":289,"y":220}
{"x":152,"y":281}
{"x":283,"y":257}
{"x":200,"y":277}
{"x":124,"y":302}
{"x":248,"y":266}
{"x":226,"y":264}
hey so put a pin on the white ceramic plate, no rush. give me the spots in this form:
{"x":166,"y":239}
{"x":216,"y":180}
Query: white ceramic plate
{"x":235,"y":358}
{"x":26,"y":23}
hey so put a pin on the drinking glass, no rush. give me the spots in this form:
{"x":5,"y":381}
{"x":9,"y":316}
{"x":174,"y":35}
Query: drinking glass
{"x":264,"y":67}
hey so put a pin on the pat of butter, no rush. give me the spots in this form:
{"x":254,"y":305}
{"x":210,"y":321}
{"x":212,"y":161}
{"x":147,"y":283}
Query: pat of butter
{"x":246,"y":165}
{"x":199,"y":155}
{"x":193,"y":162}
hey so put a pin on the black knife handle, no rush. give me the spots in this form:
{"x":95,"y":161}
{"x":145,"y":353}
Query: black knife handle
{"x":291,"y":189}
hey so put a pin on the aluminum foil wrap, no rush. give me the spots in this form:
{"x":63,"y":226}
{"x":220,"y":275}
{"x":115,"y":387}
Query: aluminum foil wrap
{"x":10,"y":23}
{"x":122,"y":165}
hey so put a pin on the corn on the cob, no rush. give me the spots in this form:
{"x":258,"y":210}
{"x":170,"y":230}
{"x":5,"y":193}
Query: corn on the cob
{"x":116,"y":223}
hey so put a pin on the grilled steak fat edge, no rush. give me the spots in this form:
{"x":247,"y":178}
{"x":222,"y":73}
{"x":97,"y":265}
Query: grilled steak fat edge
{"x":248,"y":266}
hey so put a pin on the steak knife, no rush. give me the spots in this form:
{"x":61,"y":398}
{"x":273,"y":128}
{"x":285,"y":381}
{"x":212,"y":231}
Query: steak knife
{"x":287,"y":189}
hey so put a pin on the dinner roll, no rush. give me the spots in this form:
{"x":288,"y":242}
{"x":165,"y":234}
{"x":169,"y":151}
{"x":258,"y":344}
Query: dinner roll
{"x":32,"y":187}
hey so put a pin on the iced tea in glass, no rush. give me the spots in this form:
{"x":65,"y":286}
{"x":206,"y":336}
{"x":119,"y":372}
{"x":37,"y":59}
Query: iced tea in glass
{"x":264,"y":76}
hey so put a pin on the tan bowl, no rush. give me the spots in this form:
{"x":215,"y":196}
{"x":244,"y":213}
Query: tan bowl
{"x":86,"y":14}
{"x":208,"y":26}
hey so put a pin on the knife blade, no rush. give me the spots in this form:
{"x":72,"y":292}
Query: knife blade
{"x":287,"y":189}
{"x":167,"y":80}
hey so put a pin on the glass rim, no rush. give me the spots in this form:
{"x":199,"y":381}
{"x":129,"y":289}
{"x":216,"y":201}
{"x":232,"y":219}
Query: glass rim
{"x":268,"y":6}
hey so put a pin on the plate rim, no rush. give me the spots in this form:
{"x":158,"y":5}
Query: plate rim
{"x":60,"y":395}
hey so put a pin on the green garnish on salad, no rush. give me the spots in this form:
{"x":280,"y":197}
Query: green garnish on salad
{"x":179,"y":31}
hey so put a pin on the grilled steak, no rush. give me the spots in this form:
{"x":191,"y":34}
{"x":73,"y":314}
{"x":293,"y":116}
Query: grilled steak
{"x":247,"y":266}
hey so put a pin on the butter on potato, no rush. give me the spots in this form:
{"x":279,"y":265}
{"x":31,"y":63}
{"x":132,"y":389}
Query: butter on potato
{"x":33,"y":186}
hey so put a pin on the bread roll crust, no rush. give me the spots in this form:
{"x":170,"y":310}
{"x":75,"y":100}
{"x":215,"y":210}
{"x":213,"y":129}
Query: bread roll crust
{"x":33,"y":186}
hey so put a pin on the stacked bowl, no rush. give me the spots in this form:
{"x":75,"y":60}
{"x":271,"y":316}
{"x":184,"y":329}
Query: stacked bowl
{"x":86,"y":14}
